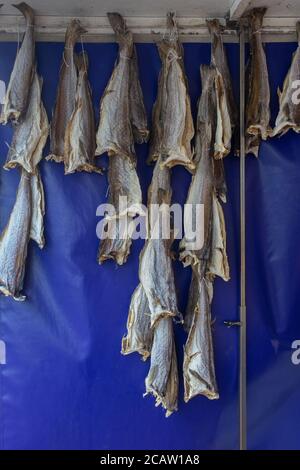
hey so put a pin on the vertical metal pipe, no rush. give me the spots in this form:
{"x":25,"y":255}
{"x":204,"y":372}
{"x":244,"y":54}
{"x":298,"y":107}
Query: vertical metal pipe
{"x":243,"y":351}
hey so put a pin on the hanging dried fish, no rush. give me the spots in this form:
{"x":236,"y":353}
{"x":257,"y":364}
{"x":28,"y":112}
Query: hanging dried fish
{"x":115,"y":133}
{"x":139,"y":333}
{"x":31,"y":134}
{"x":25,"y":222}
{"x":209,"y":260}
{"x":219,"y":60}
{"x":80,"y":136}
{"x":258,"y":104}
{"x":17,"y":94}
{"x":289,"y":105}
{"x":173,"y":127}
{"x":66,"y":93}
{"x":123,"y":121}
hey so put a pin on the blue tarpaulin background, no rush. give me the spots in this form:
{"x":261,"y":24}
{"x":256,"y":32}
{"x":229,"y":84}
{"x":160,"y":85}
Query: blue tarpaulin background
{"x":65,"y":384}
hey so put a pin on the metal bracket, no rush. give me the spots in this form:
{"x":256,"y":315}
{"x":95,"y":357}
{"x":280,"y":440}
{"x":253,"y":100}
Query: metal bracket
{"x":229,"y":324}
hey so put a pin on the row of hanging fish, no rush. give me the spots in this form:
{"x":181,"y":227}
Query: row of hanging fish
{"x":24,"y":107}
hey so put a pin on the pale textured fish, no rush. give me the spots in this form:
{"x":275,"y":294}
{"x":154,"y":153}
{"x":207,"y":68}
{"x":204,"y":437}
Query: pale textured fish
{"x":25,"y":222}
{"x":289,"y":105}
{"x":66,"y":93}
{"x":139,"y":333}
{"x":172,"y":118}
{"x":211,"y":259}
{"x":123,"y":182}
{"x":223,"y":134}
{"x":31,"y":134}
{"x":80,"y":137}
{"x":219,"y":60}
{"x":115,"y":133}
{"x":123,"y":121}
{"x":162,"y":379}
{"x":201,"y":187}
{"x":258,"y":103}
{"x":198,"y":366}
{"x":17,"y":94}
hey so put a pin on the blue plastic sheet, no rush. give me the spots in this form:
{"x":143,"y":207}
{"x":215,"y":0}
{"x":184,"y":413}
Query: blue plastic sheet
{"x":65,"y":384}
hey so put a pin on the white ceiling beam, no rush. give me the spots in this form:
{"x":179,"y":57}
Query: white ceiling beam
{"x":238,"y":8}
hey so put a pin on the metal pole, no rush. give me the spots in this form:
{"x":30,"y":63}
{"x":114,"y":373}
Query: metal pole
{"x":243,"y":351}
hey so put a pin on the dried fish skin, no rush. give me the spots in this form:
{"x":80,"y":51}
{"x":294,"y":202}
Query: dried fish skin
{"x":219,"y":60}
{"x":162,"y":379}
{"x":198,"y":366}
{"x":17,"y":94}
{"x":258,"y":103}
{"x":289,"y":112}
{"x":115,"y":134}
{"x":38,"y":209}
{"x":172,"y":118}
{"x":31,"y":134}
{"x":220,"y":179}
{"x":66,"y":93}
{"x":14,"y":240}
{"x":139,"y":333}
{"x":123,"y":182}
{"x":80,"y":136}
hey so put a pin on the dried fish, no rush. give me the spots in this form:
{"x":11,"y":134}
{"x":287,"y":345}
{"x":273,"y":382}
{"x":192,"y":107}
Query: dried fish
{"x":115,"y":133}
{"x":123,"y":182}
{"x":210,"y":260}
{"x":66,"y":93}
{"x":172,"y":118}
{"x":123,"y":121}
{"x":162,"y":379}
{"x":17,"y":94}
{"x":289,"y":106}
{"x":258,"y":104}
{"x":31,"y":134}
{"x":223,"y":134}
{"x":139,"y":333}
{"x":80,"y":136}
{"x":198,"y":366}
{"x":25,"y":222}
{"x":219,"y":60}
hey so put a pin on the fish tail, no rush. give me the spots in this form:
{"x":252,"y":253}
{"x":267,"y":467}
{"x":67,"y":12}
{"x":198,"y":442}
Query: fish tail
{"x":117,"y":23}
{"x":214,"y":26}
{"x":26,"y":11}
{"x":74,"y":31}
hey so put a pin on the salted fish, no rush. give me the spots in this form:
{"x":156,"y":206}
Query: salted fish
{"x":258,"y":103}
{"x":173,"y":127}
{"x":18,"y":90}
{"x":31,"y":134}
{"x":25,"y":222}
{"x":139,"y":335}
{"x":289,"y":105}
{"x":80,"y":136}
{"x":219,"y":60}
{"x":66,"y":93}
{"x":208,"y":261}
{"x":122,"y":112}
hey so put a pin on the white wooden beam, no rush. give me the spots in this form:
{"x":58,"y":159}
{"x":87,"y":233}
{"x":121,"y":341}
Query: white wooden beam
{"x":238,"y":8}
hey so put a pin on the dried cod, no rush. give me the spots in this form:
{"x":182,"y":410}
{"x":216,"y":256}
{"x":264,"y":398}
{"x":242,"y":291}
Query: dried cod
{"x":31,"y":134}
{"x":66,"y":93}
{"x":173,"y":127}
{"x":123,"y":122}
{"x":289,"y":107}
{"x":80,"y":136}
{"x":25,"y":222}
{"x":258,"y":103}
{"x":17,"y":94}
{"x":209,"y":260}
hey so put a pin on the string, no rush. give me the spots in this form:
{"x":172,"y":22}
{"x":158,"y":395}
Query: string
{"x":83,"y":55}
